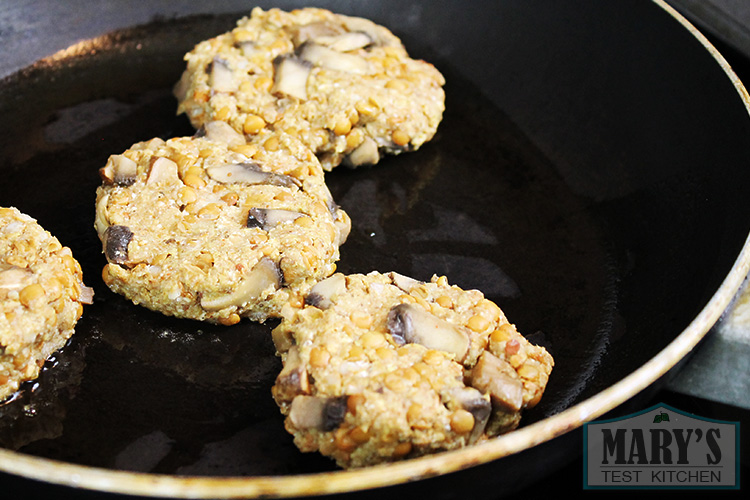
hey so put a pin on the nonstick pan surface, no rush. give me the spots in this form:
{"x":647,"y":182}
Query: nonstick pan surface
{"x":590,"y":176}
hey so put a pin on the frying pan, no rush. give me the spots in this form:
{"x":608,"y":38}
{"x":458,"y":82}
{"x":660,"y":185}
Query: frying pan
{"x":590,"y":176}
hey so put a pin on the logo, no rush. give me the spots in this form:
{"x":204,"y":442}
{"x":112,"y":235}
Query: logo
{"x":661,"y":448}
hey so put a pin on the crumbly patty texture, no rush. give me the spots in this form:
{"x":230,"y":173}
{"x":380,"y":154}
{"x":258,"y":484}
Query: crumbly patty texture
{"x":381,"y":367}
{"x":214,"y":228}
{"x":41,"y":298}
{"x":344,"y":85}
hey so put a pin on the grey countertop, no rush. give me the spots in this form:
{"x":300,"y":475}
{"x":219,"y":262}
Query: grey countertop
{"x":725,"y":351}
{"x":712,"y":371}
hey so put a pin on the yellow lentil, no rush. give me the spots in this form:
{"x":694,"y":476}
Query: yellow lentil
{"x":478,"y":323}
{"x":359,"y":435}
{"x":232,"y":319}
{"x":231,"y":199}
{"x":222,"y":113}
{"x":212,"y":211}
{"x":253,"y":124}
{"x":364,"y":320}
{"x":462,"y":421}
{"x":319,"y":357}
{"x":30,"y":293}
{"x":193,"y":180}
{"x":402,"y":449}
{"x":400,"y":138}
{"x":272,"y":144}
{"x":342,"y":127}
{"x":445,"y":301}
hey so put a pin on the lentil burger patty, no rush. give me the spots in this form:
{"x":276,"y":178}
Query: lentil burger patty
{"x":344,"y":85}
{"x":41,"y":298}
{"x":215,"y":229}
{"x":380,"y":367}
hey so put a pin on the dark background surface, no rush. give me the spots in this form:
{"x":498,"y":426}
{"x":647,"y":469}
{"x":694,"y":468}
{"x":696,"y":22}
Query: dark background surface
{"x":567,"y":479}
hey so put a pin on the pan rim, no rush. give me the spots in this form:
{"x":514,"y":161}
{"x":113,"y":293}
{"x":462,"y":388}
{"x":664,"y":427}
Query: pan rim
{"x":161,"y":485}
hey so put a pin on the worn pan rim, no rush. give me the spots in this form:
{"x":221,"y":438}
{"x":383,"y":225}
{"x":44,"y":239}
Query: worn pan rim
{"x":161,"y":485}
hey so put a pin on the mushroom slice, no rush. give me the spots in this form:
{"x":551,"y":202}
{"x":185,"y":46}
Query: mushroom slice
{"x":162,"y":170}
{"x":314,"y":31}
{"x":263,"y":276}
{"x":119,"y":170}
{"x":376,"y":34}
{"x":332,"y":59}
{"x":344,"y":224}
{"x":219,"y":131}
{"x":180,"y":89}
{"x":473,"y":401}
{"x":283,"y":339}
{"x":248,"y":173}
{"x":345,"y":42}
{"x":365,"y":154}
{"x":220,"y":76}
{"x":116,"y":241}
{"x":323,"y":293}
{"x":100,"y":221}
{"x":410,"y":323}
{"x":248,"y":48}
{"x":14,"y":277}
{"x":496,"y":377}
{"x":268,"y":218}
{"x":314,"y":412}
{"x":290,"y":76}
{"x":405,"y":283}
{"x":87,"y":295}
{"x":340,"y":218}
{"x":292,"y":380}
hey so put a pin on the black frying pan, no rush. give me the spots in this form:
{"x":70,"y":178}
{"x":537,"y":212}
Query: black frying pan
{"x":589,"y":176}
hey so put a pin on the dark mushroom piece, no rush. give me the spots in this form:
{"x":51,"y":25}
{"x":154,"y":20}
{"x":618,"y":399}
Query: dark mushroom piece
{"x":220,"y":76}
{"x":359,"y":25}
{"x":473,"y":401}
{"x":324,"y":57}
{"x":313,"y":31}
{"x":290,"y":76}
{"x":268,"y":218}
{"x":343,"y":224}
{"x":405,"y":283}
{"x":410,"y":323}
{"x":116,"y":241}
{"x":345,"y":42}
{"x":13,"y":278}
{"x":322,"y":413}
{"x":292,"y":380}
{"x":283,"y":340}
{"x":365,"y":154}
{"x":100,"y":220}
{"x":264,"y":275}
{"x":247,"y":47}
{"x":496,"y":377}
{"x":119,"y":170}
{"x":323,"y":293}
{"x":87,"y":295}
{"x":248,"y":173}
{"x":162,"y":170}
{"x":180,"y":89}
{"x":219,"y":131}
{"x":340,"y":219}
